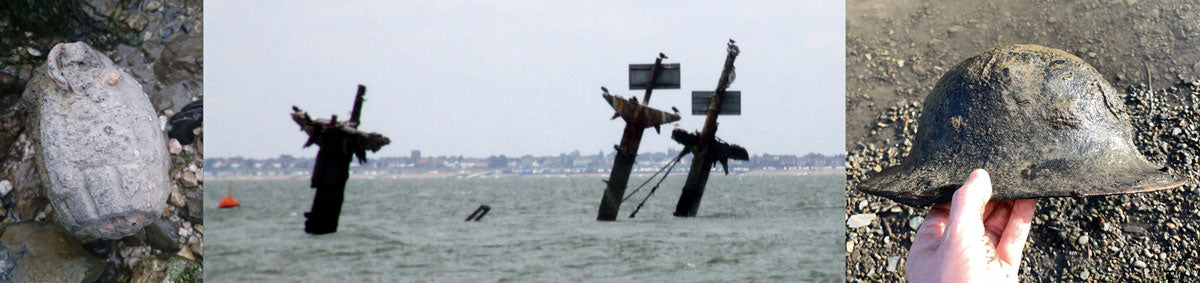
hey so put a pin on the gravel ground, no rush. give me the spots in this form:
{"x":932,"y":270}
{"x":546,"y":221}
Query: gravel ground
{"x":897,"y":50}
{"x":160,"y":43}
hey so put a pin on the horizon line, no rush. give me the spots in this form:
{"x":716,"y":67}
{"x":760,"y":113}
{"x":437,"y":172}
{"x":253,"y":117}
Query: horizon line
{"x":521,"y":155}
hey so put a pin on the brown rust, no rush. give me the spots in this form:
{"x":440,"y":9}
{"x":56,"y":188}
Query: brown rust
{"x":1031,"y":117}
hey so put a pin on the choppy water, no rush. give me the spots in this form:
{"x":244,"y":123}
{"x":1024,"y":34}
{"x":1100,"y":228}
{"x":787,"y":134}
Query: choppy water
{"x":782,"y":228}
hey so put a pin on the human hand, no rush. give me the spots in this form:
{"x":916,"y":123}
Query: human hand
{"x":970,"y":239}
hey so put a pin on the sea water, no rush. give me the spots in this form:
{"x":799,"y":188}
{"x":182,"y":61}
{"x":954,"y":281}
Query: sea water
{"x":761,"y":228}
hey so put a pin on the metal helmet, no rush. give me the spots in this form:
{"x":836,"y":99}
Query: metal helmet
{"x":1041,"y":121}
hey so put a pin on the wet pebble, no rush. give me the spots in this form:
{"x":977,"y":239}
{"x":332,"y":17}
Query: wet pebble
{"x":5,"y":187}
{"x":915,"y":222}
{"x":174,"y":147}
{"x":176,"y":199}
{"x":162,"y":235}
{"x":893,"y":261}
{"x":860,"y":220}
{"x":153,"y":6}
{"x":188,"y":180}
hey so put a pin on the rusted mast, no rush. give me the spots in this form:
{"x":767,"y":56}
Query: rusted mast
{"x":340,"y":143}
{"x":358,"y":101}
{"x":637,"y":118}
{"x":702,"y":162}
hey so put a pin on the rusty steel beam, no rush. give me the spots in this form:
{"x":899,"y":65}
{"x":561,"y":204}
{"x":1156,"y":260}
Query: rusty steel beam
{"x":340,"y":143}
{"x":637,"y":118}
{"x":358,"y":102}
{"x":703,"y":155}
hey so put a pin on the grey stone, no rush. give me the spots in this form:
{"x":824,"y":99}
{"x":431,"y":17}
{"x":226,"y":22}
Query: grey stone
{"x":8,"y":261}
{"x":99,"y":150}
{"x":50,"y":254}
{"x":176,"y":198}
{"x":860,"y":220}
{"x":153,"y":6}
{"x":195,"y":206}
{"x":163,"y":235}
{"x":172,"y":269}
{"x":915,"y":222}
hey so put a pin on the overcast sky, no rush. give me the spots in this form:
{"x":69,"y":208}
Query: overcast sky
{"x":480,"y":78}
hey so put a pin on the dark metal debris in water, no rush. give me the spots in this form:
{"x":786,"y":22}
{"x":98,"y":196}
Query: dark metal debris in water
{"x":637,"y":118}
{"x":340,"y":142}
{"x":706,"y":148}
{"x":1043,"y":123}
{"x":479,"y":213}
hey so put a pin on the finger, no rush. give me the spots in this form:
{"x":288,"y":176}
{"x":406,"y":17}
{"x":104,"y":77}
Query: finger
{"x":994,"y":224}
{"x":966,"y":208}
{"x":987,"y":210}
{"x":935,"y":222}
{"x":1012,"y":242}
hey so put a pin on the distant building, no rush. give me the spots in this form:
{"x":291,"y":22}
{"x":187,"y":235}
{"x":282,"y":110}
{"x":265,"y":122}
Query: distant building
{"x":416,"y":155}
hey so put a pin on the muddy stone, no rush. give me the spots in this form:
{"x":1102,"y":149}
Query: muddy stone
{"x":1043,"y":123}
{"x":50,"y":254}
{"x":162,"y":235}
{"x":99,"y":148}
{"x":172,"y":269}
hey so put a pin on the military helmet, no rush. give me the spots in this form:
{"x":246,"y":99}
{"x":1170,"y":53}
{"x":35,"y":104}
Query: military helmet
{"x":1041,"y":121}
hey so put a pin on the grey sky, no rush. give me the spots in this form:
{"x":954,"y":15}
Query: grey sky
{"x":482,"y":78}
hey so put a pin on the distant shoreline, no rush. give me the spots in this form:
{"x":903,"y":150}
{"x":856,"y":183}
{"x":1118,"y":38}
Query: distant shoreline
{"x":485,"y":175}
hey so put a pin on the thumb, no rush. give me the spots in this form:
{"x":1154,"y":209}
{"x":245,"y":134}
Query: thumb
{"x":966,"y":208}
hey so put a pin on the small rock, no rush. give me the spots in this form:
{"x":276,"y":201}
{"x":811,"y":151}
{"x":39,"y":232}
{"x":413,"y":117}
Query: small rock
{"x":150,"y":270}
{"x":893,"y":261}
{"x":1083,"y":240}
{"x":1133,"y":229}
{"x":188,"y":180}
{"x":153,"y":6}
{"x":915,"y":222}
{"x":137,"y":21}
{"x":134,"y":254}
{"x":177,"y":198}
{"x":955,"y":29}
{"x":197,"y":248}
{"x":174,"y":147}
{"x":162,"y":235}
{"x":184,"y":270}
{"x":860,"y":220}
{"x":1139,"y":264}
{"x":5,"y":187}
{"x":186,"y":253}
{"x":195,"y":206}
{"x":1084,"y":275}
{"x":33,"y":52}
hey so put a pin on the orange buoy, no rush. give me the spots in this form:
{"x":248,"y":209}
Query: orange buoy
{"x":229,"y":201}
